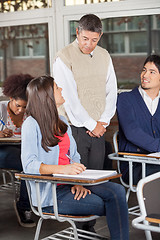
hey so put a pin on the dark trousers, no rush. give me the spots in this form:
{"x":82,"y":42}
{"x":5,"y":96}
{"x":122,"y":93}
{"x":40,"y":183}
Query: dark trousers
{"x":108,"y":162}
{"x":91,"y":149}
{"x":10,"y":158}
{"x":92,"y":152}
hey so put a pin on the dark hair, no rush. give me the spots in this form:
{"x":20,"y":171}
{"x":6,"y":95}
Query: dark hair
{"x":42,"y":107}
{"x":90,"y":22}
{"x":155,"y":59}
{"x":15,"y":86}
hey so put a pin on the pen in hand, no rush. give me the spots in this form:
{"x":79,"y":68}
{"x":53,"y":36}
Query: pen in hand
{"x":70,"y":158}
{"x":80,"y":168}
{"x":2,"y":122}
{"x":6,"y":132}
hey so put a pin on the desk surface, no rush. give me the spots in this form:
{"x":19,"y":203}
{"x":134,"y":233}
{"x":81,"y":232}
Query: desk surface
{"x":11,"y":140}
{"x":138,"y":155}
{"x":65,"y":179}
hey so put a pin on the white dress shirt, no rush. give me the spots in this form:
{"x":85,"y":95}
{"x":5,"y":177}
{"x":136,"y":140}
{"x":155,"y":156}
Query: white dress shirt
{"x":151,"y":104}
{"x":76,"y":112}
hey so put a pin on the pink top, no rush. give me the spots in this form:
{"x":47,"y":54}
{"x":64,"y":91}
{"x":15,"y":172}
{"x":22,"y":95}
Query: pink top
{"x":64,"y":145}
{"x":63,"y":150}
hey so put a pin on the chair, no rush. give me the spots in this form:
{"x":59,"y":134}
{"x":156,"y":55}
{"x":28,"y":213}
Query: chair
{"x":69,"y":233}
{"x":130,"y":158}
{"x":148,"y":194}
{"x":9,"y":182}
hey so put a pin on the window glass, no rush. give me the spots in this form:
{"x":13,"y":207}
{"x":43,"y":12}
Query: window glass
{"x":129,"y":40}
{"x":113,"y":42}
{"x":29,"y":40}
{"x":24,"y":49}
{"x":39,"y":47}
{"x":113,"y":24}
{"x":138,"y":42}
{"x":158,"y":21}
{"x":137,"y":23}
{"x":22,"y":5}
{"x":79,"y":2}
{"x":128,"y":35}
{"x":20,"y":48}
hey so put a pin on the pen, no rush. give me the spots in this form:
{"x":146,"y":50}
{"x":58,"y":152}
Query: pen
{"x":2,"y":122}
{"x":70,"y":158}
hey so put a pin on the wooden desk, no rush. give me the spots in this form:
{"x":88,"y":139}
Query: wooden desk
{"x":10,"y":141}
{"x":73,"y":233}
{"x":137,"y":155}
{"x":55,"y":179}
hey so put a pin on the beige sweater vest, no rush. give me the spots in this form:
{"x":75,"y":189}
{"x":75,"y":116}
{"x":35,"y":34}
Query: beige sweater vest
{"x":90,"y":75}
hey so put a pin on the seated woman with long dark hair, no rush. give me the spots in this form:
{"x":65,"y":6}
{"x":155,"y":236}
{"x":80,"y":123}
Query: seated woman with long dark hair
{"x":46,"y":139}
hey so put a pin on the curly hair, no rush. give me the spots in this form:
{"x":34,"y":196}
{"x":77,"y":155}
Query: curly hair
{"x":15,"y":86}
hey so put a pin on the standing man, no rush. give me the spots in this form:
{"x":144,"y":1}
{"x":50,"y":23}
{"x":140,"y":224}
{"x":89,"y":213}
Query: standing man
{"x":86,"y":74}
{"x":139,"y":118}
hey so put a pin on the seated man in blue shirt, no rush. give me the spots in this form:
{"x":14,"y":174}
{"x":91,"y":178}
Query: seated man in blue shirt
{"x":139,"y":118}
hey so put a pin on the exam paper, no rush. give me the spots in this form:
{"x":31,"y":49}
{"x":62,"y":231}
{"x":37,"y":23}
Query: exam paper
{"x":156,"y":154}
{"x":89,"y":174}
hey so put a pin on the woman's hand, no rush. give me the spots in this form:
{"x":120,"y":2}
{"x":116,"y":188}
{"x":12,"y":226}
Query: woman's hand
{"x":73,"y":169}
{"x":79,"y":192}
{"x":6,"y":133}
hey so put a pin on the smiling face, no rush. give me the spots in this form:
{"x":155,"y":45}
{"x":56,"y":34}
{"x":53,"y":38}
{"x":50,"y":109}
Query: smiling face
{"x":87,"y":40}
{"x":58,"y":95}
{"x":150,"y":77}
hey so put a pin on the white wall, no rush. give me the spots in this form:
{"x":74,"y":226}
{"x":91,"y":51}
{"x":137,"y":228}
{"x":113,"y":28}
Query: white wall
{"x":58,"y":17}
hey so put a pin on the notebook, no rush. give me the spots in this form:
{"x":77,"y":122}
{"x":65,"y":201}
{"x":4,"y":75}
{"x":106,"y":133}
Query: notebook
{"x":89,"y":174}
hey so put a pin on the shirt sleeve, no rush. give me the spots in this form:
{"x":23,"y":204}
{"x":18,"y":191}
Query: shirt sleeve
{"x":111,"y":95}
{"x":64,"y":78}
{"x":73,"y":147}
{"x":29,"y":148}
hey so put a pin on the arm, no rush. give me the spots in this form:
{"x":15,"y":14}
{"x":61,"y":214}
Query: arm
{"x":29,"y":147}
{"x":73,"y":146}
{"x":111,"y":95}
{"x":34,"y":158}
{"x":130,"y":127}
{"x":4,"y":131}
{"x":64,"y":78}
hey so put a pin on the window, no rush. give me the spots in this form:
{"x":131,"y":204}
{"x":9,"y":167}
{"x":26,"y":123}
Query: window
{"x":79,"y":2}
{"x":22,"y":5}
{"x":129,"y":40}
{"x":128,"y":35}
{"x":24,"y":49}
{"x":29,"y":40}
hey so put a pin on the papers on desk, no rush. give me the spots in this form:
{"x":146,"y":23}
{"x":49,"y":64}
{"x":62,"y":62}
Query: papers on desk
{"x":156,"y":154}
{"x":89,"y":174}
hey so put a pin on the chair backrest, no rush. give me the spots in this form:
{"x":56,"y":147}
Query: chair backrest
{"x":151,"y":194}
{"x":115,"y":144}
{"x":115,"y":141}
{"x":148,"y":194}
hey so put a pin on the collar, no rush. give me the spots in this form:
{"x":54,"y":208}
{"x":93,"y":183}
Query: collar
{"x":144,"y":94}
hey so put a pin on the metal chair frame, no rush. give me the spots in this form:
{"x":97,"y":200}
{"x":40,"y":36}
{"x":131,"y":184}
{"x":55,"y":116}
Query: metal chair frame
{"x":69,"y":233}
{"x":11,"y":184}
{"x":131,"y":158}
{"x":144,"y":222}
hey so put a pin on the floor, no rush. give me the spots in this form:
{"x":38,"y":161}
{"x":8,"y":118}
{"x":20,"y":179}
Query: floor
{"x":10,"y":229}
